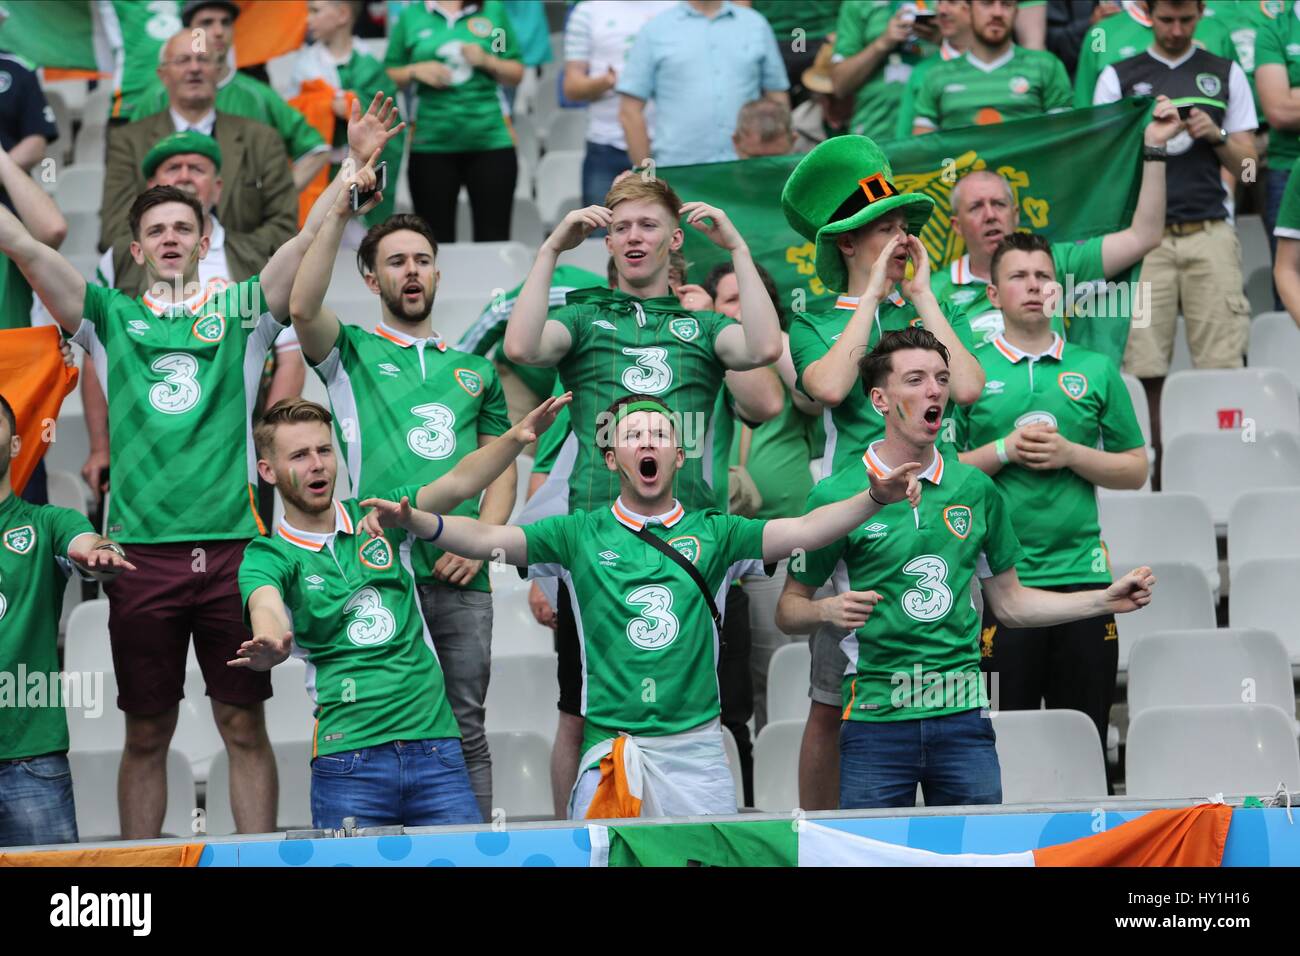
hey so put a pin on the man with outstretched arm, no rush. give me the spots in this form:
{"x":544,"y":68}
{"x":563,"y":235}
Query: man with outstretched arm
{"x":180,"y":370}
{"x":387,"y":747}
{"x":914,"y":701}
{"x":646,"y":575}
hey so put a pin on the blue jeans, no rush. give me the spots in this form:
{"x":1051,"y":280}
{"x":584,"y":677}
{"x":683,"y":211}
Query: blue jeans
{"x":36,"y":802}
{"x":599,"y":167}
{"x":414,"y":783}
{"x":952,"y":757}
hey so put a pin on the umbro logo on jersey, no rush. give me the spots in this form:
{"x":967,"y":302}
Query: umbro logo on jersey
{"x":315,"y":582}
{"x":994,"y":388}
{"x":388,"y":368}
{"x":607,"y":558}
{"x":955,"y":88}
{"x":1293,"y":49}
{"x":876,"y":530}
{"x":20,"y":540}
{"x":424,"y":34}
{"x":138,"y":326}
{"x":1142,"y":89}
{"x":603,"y":324}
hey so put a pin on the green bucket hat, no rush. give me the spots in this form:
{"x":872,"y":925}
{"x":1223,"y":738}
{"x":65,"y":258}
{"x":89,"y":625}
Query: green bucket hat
{"x":178,"y":143}
{"x":842,"y":184}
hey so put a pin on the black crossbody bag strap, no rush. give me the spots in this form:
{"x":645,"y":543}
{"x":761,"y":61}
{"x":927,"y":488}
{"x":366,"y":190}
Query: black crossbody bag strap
{"x":682,"y":562}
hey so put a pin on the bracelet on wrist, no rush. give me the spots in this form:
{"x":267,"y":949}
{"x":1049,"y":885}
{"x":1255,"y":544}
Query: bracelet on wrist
{"x":437,"y":534}
{"x":872,"y":495}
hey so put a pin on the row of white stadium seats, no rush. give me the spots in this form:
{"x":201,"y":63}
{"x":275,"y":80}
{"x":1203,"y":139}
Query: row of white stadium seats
{"x":1055,"y":756}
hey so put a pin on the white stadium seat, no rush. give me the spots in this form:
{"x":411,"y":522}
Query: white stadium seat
{"x":83,"y":233}
{"x":1182,"y":602}
{"x":1140,"y":528}
{"x":522,"y":693}
{"x":66,"y":490}
{"x":92,"y":143}
{"x":591,"y":255}
{"x":1263,"y":524}
{"x":776,"y":766}
{"x":476,"y":268}
{"x":787,"y":682}
{"x":567,"y":130}
{"x":1212,"y":400}
{"x":1256,"y":262}
{"x":1220,"y":467}
{"x":515,"y":631}
{"x":1263,"y":596}
{"x":733,"y":763}
{"x":559,"y":184}
{"x":1222,"y":666}
{"x":94,"y":788}
{"x":289,"y":711}
{"x":521,"y":774}
{"x":196,"y":729}
{"x":293,"y":810}
{"x":1198,"y":752}
{"x":1275,"y":343}
{"x":79,"y":188}
{"x":1142,"y":410}
{"x":1049,"y":755}
{"x":454,"y":314}
{"x":86,"y":648}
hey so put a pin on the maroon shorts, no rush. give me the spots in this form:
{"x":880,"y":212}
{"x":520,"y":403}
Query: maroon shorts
{"x":178,"y":590}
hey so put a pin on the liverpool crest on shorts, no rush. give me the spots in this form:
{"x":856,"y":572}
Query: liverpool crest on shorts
{"x":684,"y":329}
{"x":20,"y":540}
{"x":470,"y":381}
{"x":1075,"y":384}
{"x":958,"y":520}
{"x":376,"y":553}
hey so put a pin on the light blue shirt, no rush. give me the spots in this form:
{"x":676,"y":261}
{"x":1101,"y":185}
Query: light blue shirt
{"x":700,"y":71}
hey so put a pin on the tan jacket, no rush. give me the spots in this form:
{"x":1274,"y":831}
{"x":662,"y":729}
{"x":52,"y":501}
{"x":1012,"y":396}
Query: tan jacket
{"x":258,"y":207}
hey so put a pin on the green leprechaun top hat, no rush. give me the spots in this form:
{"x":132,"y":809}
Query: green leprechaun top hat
{"x":842,"y":184}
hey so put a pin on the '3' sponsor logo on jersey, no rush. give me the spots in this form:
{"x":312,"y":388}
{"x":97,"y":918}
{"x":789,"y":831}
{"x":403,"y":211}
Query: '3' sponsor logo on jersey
{"x":657,"y":626}
{"x":372,"y":624}
{"x":931,"y":599}
{"x":435,"y":437}
{"x":179,"y":391}
{"x":4,"y":606}
{"x":651,"y":374}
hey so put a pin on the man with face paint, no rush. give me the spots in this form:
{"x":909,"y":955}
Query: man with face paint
{"x":652,"y":742}
{"x":639,"y":338}
{"x":181,"y":365}
{"x":407,"y":406}
{"x":914,"y":704}
{"x":393,"y":754}
{"x":840,"y":198}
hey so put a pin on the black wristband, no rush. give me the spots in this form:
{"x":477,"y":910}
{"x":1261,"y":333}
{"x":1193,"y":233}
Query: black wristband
{"x":1155,"y":154}
{"x":875,"y":499}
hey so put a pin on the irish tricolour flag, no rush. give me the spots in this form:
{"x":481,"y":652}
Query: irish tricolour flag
{"x":1194,"y":836}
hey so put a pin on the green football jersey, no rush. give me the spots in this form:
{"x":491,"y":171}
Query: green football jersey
{"x":854,"y":423}
{"x":241,"y":95}
{"x":407,"y":410}
{"x":1288,"y":214}
{"x":816,"y":18}
{"x":1054,"y":513}
{"x":649,"y":648}
{"x":1277,"y":41}
{"x":779,"y":453}
{"x":136,"y":32}
{"x":876,"y":101}
{"x":924,"y":632}
{"x":181,"y":382}
{"x":623,"y":345}
{"x":962,"y":290}
{"x":907,"y":105}
{"x":34,"y":568}
{"x":1127,"y":34}
{"x":372,"y":672}
{"x":470,"y":114}
{"x":967,"y":92}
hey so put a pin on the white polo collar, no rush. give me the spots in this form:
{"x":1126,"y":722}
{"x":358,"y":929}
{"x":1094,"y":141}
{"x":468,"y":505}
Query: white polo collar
{"x":933,"y":474}
{"x":192,"y":304}
{"x":629,"y":518}
{"x":961,"y":274}
{"x":1014,"y":355}
{"x":850,"y":302}
{"x":398,"y":337}
{"x":314,"y":540}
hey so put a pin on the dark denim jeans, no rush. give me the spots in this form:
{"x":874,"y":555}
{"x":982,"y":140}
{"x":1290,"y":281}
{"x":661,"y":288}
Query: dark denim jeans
{"x":599,"y":167}
{"x":952,"y":757}
{"x":415,"y":783}
{"x":36,"y":802}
